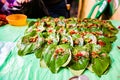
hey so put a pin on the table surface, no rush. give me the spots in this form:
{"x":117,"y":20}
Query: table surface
{"x":27,"y":68}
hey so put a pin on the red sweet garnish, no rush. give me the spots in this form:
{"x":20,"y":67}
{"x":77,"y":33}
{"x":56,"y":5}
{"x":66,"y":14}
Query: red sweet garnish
{"x":50,"y":31}
{"x":60,"y":50}
{"x":101,"y":43}
{"x":72,"y":32}
{"x":94,"y":54}
{"x":57,"y":51}
{"x":79,"y":54}
{"x":76,"y":58}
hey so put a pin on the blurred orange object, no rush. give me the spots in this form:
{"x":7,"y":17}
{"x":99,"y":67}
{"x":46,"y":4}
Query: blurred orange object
{"x":17,"y":19}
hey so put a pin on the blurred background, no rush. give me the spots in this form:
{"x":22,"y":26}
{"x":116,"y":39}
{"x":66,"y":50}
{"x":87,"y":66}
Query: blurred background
{"x":112,"y":11}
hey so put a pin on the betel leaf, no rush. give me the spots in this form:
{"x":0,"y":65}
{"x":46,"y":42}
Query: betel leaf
{"x":40,"y":41}
{"x":112,"y":39}
{"x":80,"y":64}
{"x":100,"y":65}
{"x":61,"y":24}
{"x":26,"y":38}
{"x":90,"y":38}
{"x":107,"y":47}
{"x":86,"y":48}
{"x":80,"y":59}
{"x":96,"y":48}
{"x":112,"y":28}
{"x":63,"y":58}
{"x":31,"y":23}
{"x":78,"y":67}
{"x":38,"y":52}
{"x":75,"y":36}
{"x":55,"y":64}
{"x":77,"y":40}
{"x":55,"y":59}
{"x":71,"y":23}
{"x":66,"y":39}
{"x":53,"y":38}
{"x":47,"y":53}
{"x":26,"y":50}
{"x":30,"y":43}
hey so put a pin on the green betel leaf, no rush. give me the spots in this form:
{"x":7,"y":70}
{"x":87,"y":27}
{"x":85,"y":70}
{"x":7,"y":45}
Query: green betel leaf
{"x":80,"y":64}
{"x":77,"y":40}
{"x":31,"y":23}
{"x":52,"y":66}
{"x":30,"y":43}
{"x":26,"y":50}
{"x":47,"y":53}
{"x":78,"y":67}
{"x":80,"y":59}
{"x":100,"y":65}
{"x":111,"y":27}
{"x":61,"y":61}
{"x":52,"y":38}
{"x":26,"y":38}
{"x":106,"y":45}
{"x":71,"y":23}
{"x":57,"y":57}
{"x":38,"y":52}
{"x":112,"y":39}
{"x":66,"y":39}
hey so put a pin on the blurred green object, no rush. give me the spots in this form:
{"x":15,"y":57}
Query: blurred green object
{"x":102,"y":6}
{"x":28,"y":68}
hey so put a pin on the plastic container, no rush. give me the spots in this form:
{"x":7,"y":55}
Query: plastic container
{"x":17,"y":19}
